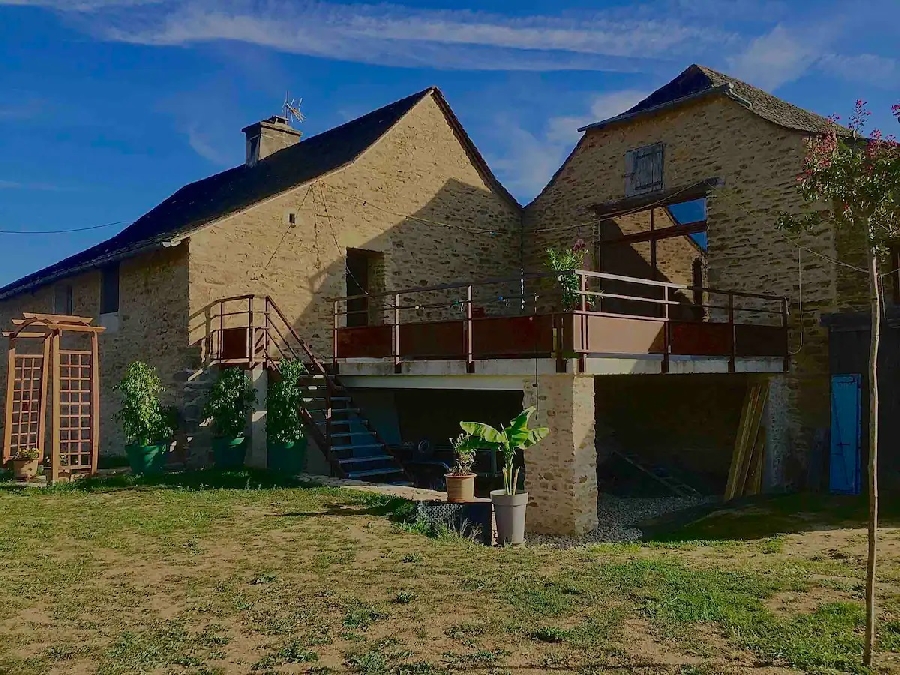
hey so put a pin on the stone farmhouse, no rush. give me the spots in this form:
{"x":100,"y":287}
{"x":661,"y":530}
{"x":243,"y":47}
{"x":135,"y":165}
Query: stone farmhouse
{"x":386,"y":254}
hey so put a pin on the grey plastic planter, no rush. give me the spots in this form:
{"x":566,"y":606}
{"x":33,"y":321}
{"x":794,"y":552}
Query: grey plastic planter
{"x":509,"y":511}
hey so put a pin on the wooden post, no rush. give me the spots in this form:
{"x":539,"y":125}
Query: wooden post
{"x":221,"y":329}
{"x":95,"y":402}
{"x":10,"y":388}
{"x":667,"y":335}
{"x":42,"y":422}
{"x":396,"y":331}
{"x":55,"y":374}
{"x":653,"y":260}
{"x":470,"y":356}
{"x":582,"y":286}
{"x":334,"y":333}
{"x":251,"y":336}
{"x":732,"y":358}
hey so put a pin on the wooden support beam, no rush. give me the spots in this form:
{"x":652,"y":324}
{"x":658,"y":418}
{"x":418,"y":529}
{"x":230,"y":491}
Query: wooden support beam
{"x":746,"y":441}
{"x":55,"y":374}
{"x":95,"y":402}
{"x":42,"y":422}
{"x":654,"y":235}
{"x":10,"y":387}
{"x":57,"y":318}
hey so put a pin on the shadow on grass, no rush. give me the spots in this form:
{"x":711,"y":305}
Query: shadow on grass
{"x":350,"y":502}
{"x":763,"y":517}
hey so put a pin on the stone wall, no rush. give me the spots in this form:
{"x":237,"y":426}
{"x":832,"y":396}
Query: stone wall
{"x":415,"y":197}
{"x":561,"y":471}
{"x":759,"y":161}
{"x":152,"y":327}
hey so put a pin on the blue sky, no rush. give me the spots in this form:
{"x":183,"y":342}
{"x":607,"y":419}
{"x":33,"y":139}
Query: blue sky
{"x":109,"y":106}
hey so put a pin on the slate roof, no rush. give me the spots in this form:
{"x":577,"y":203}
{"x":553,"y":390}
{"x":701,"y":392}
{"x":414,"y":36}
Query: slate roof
{"x":697,"y":81}
{"x":209,"y":199}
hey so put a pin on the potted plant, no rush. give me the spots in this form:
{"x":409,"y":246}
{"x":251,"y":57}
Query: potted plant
{"x":461,"y":478}
{"x":565,"y":262}
{"x":509,"y":505}
{"x":228,"y":405}
{"x":145,"y":423}
{"x":25,"y":463}
{"x":285,"y":440}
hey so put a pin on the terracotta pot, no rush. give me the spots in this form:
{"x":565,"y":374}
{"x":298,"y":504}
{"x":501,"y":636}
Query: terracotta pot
{"x":509,"y":512}
{"x":460,"y":489}
{"x":25,"y":469}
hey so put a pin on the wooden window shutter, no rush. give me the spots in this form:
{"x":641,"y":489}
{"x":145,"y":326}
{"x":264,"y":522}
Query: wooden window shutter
{"x":629,"y":173}
{"x":644,"y":169}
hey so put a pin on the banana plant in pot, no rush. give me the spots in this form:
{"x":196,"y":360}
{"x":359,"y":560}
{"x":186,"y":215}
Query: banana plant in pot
{"x":147,"y":426}
{"x":509,"y":504}
{"x":461,"y":479}
{"x":286,"y":442}
{"x":228,"y":406}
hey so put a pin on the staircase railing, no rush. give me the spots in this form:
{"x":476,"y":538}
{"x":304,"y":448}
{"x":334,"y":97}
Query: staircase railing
{"x":249,"y":335}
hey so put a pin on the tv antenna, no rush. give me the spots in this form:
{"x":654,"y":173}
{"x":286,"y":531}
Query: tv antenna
{"x":291,"y":108}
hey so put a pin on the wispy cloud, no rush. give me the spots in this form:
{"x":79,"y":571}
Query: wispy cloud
{"x":17,"y":185}
{"x":876,"y":70}
{"x":530,"y":159}
{"x":402,"y":36}
{"x":20,"y":109}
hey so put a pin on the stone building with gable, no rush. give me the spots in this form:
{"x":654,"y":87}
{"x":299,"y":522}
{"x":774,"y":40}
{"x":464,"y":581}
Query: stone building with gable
{"x":369,"y":240}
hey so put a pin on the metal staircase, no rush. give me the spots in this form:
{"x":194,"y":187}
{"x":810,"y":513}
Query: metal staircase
{"x":251,"y":331}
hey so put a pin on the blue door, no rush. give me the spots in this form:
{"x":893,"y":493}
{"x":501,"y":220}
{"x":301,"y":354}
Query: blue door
{"x":846,"y":432}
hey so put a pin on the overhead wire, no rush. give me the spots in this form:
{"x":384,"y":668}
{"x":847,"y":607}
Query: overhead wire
{"x":66,"y":231}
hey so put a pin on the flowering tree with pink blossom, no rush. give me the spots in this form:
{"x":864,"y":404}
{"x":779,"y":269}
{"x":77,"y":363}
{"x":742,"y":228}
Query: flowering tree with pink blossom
{"x":852,"y":180}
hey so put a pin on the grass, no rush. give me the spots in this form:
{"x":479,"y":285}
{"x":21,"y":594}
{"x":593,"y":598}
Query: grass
{"x":243,"y":572}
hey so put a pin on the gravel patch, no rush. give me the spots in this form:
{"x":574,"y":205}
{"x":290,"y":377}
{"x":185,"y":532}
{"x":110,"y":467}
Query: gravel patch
{"x":619,"y":517}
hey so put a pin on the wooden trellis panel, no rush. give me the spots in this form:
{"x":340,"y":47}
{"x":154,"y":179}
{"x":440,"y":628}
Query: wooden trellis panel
{"x":26,"y":412}
{"x":76,"y":401}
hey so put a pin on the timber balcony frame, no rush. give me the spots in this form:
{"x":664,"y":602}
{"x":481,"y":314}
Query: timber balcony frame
{"x":601,"y":314}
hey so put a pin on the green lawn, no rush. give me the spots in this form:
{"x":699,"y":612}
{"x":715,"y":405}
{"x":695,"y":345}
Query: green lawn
{"x":211,"y":573}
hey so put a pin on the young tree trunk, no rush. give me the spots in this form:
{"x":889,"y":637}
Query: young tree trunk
{"x":875,"y":296}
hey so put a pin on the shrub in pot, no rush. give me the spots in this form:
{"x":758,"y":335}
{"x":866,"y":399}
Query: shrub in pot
{"x":285,"y":439}
{"x":509,"y":505}
{"x":227,"y":406}
{"x":461,"y":478}
{"x":25,"y":463}
{"x":148,"y":430}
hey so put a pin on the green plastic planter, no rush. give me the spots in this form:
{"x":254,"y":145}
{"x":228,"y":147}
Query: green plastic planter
{"x":289,"y":458}
{"x":147,"y":460}
{"x":228,"y":453}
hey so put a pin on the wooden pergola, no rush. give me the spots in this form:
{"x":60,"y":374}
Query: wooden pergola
{"x":73,"y":376}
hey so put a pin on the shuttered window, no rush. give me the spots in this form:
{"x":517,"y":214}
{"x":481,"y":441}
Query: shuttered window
{"x":644,"y":170}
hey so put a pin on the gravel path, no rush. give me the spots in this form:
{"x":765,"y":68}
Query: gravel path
{"x":618,"y":519}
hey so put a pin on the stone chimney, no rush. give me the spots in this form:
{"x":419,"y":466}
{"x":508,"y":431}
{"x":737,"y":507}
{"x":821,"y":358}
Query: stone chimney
{"x":268,"y":137}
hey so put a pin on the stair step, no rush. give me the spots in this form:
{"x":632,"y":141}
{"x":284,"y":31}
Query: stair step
{"x":361,"y":446}
{"x":369,"y":460}
{"x":364,"y":475}
{"x":347,"y":434}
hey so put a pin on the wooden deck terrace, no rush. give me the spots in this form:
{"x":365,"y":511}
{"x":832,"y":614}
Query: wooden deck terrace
{"x":578,"y":321}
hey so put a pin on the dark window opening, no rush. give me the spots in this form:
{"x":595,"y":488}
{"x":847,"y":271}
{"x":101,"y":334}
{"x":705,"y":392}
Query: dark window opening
{"x":109,"y":289}
{"x":364,"y":275}
{"x":63,"y":300}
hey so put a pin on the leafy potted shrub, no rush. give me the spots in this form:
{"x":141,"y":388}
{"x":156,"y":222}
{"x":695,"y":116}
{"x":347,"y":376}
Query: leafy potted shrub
{"x":461,"y":478}
{"x":509,"y":505}
{"x":228,"y":405}
{"x":285,"y":440}
{"x":25,"y":463}
{"x":565,"y":262}
{"x":147,"y":428}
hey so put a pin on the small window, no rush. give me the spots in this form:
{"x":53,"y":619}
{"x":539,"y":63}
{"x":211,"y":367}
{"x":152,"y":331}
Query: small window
{"x":109,"y":289}
{"x":63,"y":302}
{"x":644,"y":170}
